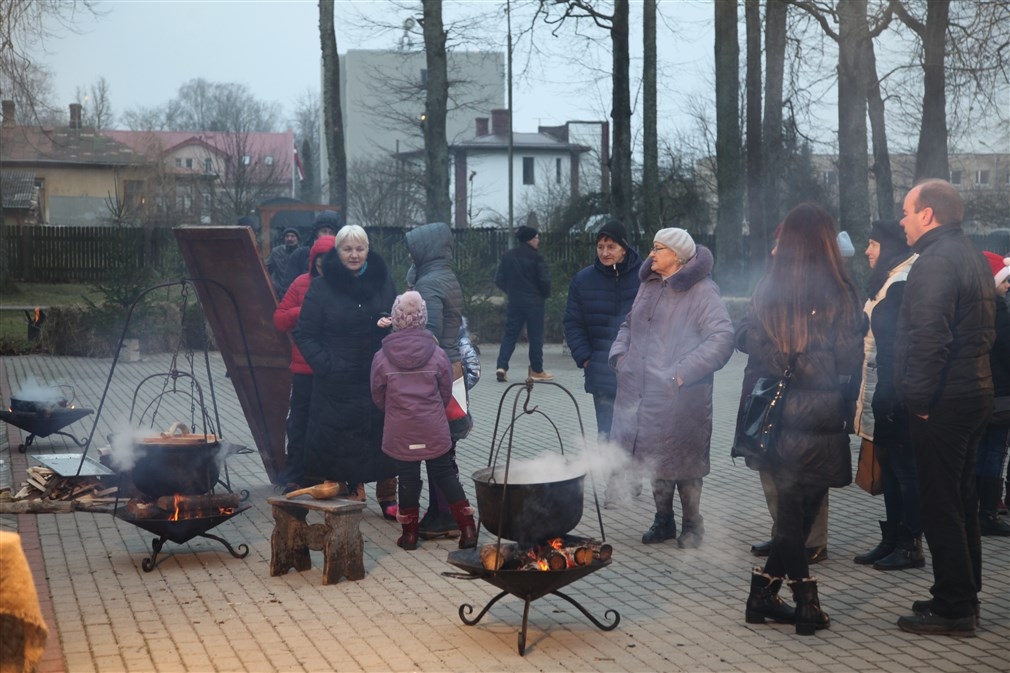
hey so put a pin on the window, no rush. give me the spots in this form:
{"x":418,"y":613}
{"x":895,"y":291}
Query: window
{"x":178,"y":162}
{"x":424,"y":78}
{"x":955,"y":177}
{"x":829,"y":177}
{"x":268,"y":160}
{"x":557,"y":170}
{"x":208,"y":165}
{"x":246,"y":159}
{"x":133,"y":194}
{"x":982,"y":177}
{"x":528,"y":177}
{"x":189,"y":163}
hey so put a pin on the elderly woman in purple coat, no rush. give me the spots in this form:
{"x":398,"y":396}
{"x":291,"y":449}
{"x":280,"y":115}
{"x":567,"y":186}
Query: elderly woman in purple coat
{"x":677,"y":335}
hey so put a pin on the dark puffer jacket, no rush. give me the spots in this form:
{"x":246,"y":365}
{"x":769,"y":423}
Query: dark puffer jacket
{"x":412,"y":383}
{"x":813,"y":444}
{"x":338,"y":336}
{"x":599,"y":298}
{"x":946,"y":326}
{"x":430,"y":247}
{"x":1000,"y":355}
{"x":523,"y":275}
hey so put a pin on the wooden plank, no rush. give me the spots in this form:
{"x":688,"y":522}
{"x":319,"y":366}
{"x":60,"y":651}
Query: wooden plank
{"x":238,"y":302}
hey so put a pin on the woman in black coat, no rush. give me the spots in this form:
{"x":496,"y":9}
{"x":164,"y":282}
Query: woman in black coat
{"x":338,"y":332}
{"x":804,"y":310}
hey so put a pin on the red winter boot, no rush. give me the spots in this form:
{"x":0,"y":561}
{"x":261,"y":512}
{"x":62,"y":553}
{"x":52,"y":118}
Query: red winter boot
{"x":408,"y":519}
{"x":463,"y":513}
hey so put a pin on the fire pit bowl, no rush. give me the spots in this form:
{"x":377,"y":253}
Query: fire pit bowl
{"x":527,"y":511}
{"x":176,"y":462}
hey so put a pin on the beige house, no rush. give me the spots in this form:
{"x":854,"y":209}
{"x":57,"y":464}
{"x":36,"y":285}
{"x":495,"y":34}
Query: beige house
{"x":64,"y":175}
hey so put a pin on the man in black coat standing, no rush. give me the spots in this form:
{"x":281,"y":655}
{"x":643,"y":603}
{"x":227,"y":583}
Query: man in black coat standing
{"x":945,"y":332}
{"x":525,"y":279}
{"x":327,"y":223}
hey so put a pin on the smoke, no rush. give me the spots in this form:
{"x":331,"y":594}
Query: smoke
{"x":602,"y":459}
{"x":33,"y":391}
{"x":126,"y":447}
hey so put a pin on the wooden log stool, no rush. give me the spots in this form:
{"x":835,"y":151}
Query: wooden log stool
{"x":338,"y":537}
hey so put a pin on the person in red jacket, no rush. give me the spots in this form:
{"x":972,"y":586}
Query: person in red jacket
{"x":285,"y":319}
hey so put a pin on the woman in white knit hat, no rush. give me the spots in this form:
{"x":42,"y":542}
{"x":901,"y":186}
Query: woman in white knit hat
{"x":676,"y":336}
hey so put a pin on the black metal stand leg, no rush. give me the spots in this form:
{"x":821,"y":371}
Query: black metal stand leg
{"x":605,"y":627}
{"x":28,"y":442}
{"x":466,"y":609}
{"x":522,"y":633}
{"x":243,"y":549}
{"x":149,"y":564}
{"x":79,"y":442}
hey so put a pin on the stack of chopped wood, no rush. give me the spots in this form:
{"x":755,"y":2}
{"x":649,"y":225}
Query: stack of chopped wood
{"x":43,"y":486}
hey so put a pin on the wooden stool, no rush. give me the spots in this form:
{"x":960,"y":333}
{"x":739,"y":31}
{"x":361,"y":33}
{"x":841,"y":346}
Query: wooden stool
{"x":338,"y":537}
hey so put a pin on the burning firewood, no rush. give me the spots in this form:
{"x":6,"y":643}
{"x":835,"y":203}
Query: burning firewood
{"x":493,"y":557}
{"x":198,"y":503}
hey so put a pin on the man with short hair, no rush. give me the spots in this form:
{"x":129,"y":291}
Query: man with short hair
{"x":525,"y":278}
{"x":277,"y":260}
{"x":945,"y":332}
{"x":327,"y":223}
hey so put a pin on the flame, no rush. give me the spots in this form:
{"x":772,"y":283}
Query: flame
{"x":175,"y":515}
{"x":542,"y":564}
{"x":556,"y":543}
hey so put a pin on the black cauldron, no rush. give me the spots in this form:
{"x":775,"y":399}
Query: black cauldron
{"x":532,"y":513}
{"x":174,"y":463}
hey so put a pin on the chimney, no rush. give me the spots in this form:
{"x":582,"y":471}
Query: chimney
{"x":75,"y":115}
{"x":500,"y":122}
{"x":481,"y":126}
{"x":9,"y":120}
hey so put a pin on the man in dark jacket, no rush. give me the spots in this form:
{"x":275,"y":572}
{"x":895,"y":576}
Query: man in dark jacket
{"x":327,"y":223}
{"x":277,"y":261}
{"x":599,"y":298}
{"x":525,"y":279}
{"x":945,"y":333}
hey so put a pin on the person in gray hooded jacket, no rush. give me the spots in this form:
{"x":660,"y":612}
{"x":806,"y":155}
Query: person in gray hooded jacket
{"x":430,"y":247}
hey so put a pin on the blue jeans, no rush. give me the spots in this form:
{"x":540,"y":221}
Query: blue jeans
{"x":517,"y":315}
{"x":604,"y":405}
{"x":992,"y":451}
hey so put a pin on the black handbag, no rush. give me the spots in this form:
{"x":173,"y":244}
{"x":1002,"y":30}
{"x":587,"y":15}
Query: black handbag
{"x":762,"y":415}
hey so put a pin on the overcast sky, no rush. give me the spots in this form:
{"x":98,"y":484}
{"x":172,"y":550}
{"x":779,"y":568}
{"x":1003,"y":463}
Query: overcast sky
{"x":147,"y":49}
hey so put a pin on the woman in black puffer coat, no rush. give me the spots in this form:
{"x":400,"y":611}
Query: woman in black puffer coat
{"x":805,"y":306}
{"x":338,"y":333}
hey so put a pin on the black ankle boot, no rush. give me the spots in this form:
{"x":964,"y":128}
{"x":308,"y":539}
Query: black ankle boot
{"x":663,"y":528}
{"x":809,"y":616}
{"x":764,"y":601}
{"x":907,"y":553}
{"x":883,"y":548}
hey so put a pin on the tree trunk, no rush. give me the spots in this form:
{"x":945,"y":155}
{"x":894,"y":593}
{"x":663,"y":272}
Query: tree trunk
{"x":771,"y":137}
{"x":931,"y":155}
{"x":755,"y":204}
{"x":650,"y":149}
{"x":853,"y":176}
{"x":878,"y":133}
{"x":729,"y":173}
{"x":438,"y":207}
{"x":333,"y":121}
{"x":620,"y":177}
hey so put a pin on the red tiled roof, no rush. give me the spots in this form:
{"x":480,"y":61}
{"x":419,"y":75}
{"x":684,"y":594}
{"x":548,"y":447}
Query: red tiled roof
{"x":63,"y":145}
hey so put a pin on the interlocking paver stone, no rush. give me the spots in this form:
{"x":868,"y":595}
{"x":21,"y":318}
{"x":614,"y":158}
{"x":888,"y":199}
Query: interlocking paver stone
{"x":681,"y":610}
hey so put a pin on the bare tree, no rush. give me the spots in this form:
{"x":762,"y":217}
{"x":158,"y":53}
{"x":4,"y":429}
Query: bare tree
{"x":96,"y":105}
{"x":776,"y":14}
{"x":729,"y":182}
{"x":306,"y":126}
{"x":438,"y":207}
{"x":386,"y":193}
{"x":621,"y":185}
{"x":650,"y":136}
{"x":333,"y":122}
{"x":755,"y":204}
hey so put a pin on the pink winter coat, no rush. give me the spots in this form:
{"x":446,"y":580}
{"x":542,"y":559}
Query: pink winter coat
{"x":412,"y":383}
{"x":290,"y":307}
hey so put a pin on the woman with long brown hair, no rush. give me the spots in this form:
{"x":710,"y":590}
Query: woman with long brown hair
{"x":805,"y":310}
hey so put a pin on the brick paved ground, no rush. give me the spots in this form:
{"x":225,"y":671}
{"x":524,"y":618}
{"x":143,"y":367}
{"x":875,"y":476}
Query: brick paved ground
{"x":681,"y":610}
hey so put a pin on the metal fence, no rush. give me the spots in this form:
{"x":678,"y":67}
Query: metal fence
{"x":47,"y":254}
